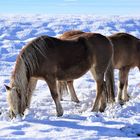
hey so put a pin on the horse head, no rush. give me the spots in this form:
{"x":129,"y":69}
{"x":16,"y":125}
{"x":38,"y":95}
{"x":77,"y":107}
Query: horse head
{"x":14,"y":99}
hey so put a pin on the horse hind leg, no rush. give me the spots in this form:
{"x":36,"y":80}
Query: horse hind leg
{"x":110,"y":83}
{"x":62,"y":89}
{"x":123,"y":76}
{"x":99,"y":78}
{"x":99,"y":89}
{"x":52,"y":83}
{"x":72,"y":92}
{"x":125,"y":95}
{"x":103,"y":99}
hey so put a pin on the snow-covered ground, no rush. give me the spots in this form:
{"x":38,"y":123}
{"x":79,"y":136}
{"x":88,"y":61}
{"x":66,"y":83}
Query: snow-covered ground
{"x":77,"y":122}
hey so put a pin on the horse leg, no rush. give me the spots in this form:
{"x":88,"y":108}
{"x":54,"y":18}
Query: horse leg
{"x":123,"y":74}
{"x":125,"y":95}
{"x":109,"y":77}
{"x":99,"y":78}
{"x":99,"y":89}
{"x":62,"y":88}
{"x":72,"y":92}
{"x":31,"y":86}
{"x":103,"y":99}
{"x":52,"y":83}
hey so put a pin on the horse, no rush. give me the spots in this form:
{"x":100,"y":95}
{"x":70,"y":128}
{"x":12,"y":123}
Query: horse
{"x":62,"y":85}
{"x":126,"y":56}
{"x":53,"y":59}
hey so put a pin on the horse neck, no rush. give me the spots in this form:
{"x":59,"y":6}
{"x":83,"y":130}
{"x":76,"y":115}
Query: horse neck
{"x":19,"y":77}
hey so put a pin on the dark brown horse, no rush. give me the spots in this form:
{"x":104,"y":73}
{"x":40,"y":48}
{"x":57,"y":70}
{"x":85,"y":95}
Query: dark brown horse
{"x":126,"y":56}
{"x":55,"y":60}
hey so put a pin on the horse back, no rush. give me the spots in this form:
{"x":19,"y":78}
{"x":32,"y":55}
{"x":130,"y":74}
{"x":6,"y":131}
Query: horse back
{"x":71,"y":34}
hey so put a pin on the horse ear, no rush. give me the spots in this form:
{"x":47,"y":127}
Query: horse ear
{"x":7,"y":87}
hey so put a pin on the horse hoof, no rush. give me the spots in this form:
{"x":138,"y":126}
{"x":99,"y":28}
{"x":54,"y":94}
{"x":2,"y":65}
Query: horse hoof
{"x":59,"y":115}
{"x":126,"y":99}
{"x":76,"y":101}
{"x":121,"y":102}
{"x":101,"y":110}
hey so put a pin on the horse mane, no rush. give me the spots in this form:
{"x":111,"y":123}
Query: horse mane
{"x":19,"y":81}
{"x":70,"y":34}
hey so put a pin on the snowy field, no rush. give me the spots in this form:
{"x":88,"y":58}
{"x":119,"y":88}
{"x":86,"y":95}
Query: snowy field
{"x":40,"y":122}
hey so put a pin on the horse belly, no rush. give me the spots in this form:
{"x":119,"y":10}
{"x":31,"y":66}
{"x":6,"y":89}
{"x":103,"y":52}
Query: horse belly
{"x":124,"y":60}
{"x":73,"y":72}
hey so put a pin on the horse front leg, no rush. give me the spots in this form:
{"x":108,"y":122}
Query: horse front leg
{"x":31,"y":87}
{"x":52,"y":83}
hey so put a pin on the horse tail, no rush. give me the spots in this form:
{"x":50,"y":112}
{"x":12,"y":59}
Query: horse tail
{"x":110,"y":83}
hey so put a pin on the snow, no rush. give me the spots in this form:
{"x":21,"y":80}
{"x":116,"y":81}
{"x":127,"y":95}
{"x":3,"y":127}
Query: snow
{"x":78,"y":122}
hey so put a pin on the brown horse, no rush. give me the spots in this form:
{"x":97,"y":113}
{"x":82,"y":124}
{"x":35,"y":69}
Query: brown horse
{"x":126,"y":56}
{"x":55,"y":59}
{"x":62,"y":85}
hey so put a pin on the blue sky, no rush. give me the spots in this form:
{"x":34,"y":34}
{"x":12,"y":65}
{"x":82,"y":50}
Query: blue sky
{"x":98,"y":7}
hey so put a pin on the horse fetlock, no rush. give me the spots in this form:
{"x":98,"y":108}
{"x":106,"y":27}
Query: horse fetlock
{"x":102,"y":109}
{"x":111,"y":100}
{"x":120,"y":101}
{"x":59,"y":109}
{"x":13,"y":115}
{"x":125,"y":98}
{"x":119,"y":96}
{"x":94,"y":109}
